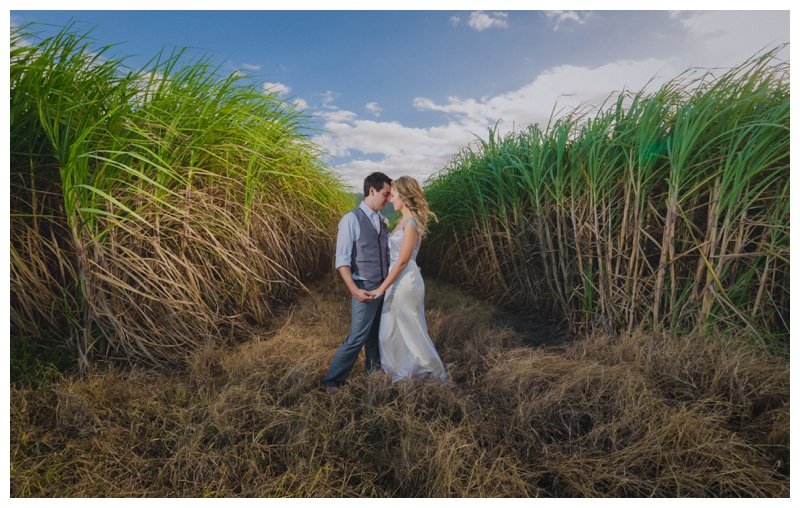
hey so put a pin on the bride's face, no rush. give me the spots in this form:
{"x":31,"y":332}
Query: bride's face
{"x":396,"y":201}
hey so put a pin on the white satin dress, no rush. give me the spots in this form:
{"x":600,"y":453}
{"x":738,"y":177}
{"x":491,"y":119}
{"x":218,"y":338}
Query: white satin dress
{"x":405,"y":346}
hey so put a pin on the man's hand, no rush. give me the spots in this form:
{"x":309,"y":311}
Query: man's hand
{"x":361,"y":295}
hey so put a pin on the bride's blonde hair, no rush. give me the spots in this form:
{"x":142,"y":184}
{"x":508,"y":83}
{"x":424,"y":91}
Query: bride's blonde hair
{"x":410,"y":191}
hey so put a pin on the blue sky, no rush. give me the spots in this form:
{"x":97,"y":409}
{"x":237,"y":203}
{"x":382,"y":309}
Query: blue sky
{"x":402,"y":91}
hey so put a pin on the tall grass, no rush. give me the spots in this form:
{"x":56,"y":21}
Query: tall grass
{"x":153,"y":210}
{"x":664,"y":210}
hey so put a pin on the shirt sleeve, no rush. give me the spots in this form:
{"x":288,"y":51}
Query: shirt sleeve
{"x":348,"y":232}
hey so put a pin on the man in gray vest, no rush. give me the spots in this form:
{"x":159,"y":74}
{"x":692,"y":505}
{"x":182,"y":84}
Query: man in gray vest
{"x":362,"y":259}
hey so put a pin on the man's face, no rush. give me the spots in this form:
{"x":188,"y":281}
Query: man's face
{"x":380,"y":198}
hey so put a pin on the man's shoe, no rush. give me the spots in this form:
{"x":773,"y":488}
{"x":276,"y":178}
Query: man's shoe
{"x":330,"y":388}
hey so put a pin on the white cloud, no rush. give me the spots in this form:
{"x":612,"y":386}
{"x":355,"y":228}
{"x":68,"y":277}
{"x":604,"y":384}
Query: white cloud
{"x":373,"y":108}
{"x":420,"y":152}
{"x":278,"y":88}
{"x":726,"y":38}
{"x":559,"y":17}
{"x":566,"y":86}
{"x":251,"y":67}
{"x":713,"y":39}
{"x":480,"y":21}
{"x":300,"y":104}
{"x":402,"y":150}
{"x":328,"y":98}
{"x":455,"y":20}
{"x":336,"y":116}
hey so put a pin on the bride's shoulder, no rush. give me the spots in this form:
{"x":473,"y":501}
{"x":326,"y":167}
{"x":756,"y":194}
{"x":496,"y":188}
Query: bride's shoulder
{"x":413,"y":223}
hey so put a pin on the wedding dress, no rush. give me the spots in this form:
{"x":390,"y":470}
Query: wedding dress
{"x":406,"y":348}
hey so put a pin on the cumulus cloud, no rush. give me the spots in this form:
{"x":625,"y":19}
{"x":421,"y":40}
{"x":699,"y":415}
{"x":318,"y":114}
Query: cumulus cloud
{"x":400,"y":150}
{"x":278,"y":88}
{"x":480,"y":20}
{"x":455,"y":20}
{"x":559,"y":17}
{"x":328,"y":99}
{"x":567,"y":87}
{"x":714,"y":39}
{"x":336,"y":116}
{"x":373,"y":108}
{"x":422,"y":151}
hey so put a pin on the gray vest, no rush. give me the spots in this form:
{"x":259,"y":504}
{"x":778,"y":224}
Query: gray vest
{"x":371,"y":250}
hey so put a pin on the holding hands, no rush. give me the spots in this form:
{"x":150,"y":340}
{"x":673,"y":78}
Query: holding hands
{"x":376,"y":293}
{"x":362,"y":295}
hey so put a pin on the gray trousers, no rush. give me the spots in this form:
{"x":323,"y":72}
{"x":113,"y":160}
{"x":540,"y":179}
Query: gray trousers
{"x":365,"y":318}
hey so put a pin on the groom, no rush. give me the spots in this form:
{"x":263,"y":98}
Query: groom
{"x":362,"y":259}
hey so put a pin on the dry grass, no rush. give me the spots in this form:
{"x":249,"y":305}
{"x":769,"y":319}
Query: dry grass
{"x":634,"y":415}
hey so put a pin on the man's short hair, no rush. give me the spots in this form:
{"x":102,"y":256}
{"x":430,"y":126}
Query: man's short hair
{"x":375,"y":181}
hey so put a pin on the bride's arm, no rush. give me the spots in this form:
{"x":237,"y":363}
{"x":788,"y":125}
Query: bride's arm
{"x":410,"y":236}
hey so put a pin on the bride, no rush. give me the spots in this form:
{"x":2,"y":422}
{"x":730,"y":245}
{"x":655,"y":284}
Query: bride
{"x":406,"y":348}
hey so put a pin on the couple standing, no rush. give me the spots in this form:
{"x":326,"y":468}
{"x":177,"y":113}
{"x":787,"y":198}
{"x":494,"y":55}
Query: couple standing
{"x":387,"y":308}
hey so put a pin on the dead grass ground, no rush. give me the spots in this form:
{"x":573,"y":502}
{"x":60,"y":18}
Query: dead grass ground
{"x":635,"y":415}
